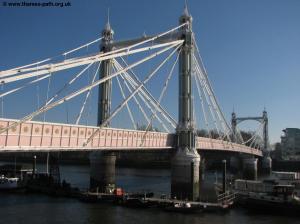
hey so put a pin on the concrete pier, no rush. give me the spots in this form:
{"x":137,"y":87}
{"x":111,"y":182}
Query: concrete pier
{"x":235,"y":164}
{"x":185,"y":175}
{"x":250,"y":168}
{"x":266,"y":165}
{"x":102,"y":171}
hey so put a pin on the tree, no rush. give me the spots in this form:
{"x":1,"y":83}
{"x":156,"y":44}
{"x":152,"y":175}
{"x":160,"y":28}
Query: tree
{"x":143,"y":127}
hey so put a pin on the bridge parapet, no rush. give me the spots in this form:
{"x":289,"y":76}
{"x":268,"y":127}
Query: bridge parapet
{"x":44,"y":136}
{"x":216,"y":144}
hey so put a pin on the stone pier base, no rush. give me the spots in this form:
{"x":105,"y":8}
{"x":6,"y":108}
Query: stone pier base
{"x":185,"y":175}
{"x":250,"y":168}
{"x":266,"y":165}
{"x":102,"y":171}
{"x":235,"y":164}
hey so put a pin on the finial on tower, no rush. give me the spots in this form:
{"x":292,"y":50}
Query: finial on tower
{"x":185,"y":17}
{"x":107,"y":26}
{"x":185,"y":11}
{"x":107,"y":31}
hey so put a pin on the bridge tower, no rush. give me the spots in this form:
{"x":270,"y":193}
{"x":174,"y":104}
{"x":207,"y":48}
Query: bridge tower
{"x":233,"y":126}
{"x":186,"y":161}
{"x":102,"y":174}
{"x":266,"y":163}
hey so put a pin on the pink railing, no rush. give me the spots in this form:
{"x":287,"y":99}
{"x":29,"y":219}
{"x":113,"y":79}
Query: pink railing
{"x":44,"y":136}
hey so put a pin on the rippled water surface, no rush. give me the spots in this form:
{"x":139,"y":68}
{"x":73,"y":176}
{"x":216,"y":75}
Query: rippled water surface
{"x":29,"y":208}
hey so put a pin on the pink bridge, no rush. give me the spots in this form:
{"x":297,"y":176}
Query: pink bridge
{"x":42,"y":136}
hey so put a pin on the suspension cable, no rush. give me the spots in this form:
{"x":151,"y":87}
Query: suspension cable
{"x":202,"y":68}
{"x":152,"y":99}
{"x":208,"y":103}
{"x":146,"y":101}
{"x":131,"y":95}
{"x":84,"y":89}
{"x":147,"y":98}
{"x":127,"y":106}
{"x":87,"y":96}
{"x":51,"y":58}
{"x":165,"y":86}
{"x":135,"y":99}
{"x":47,"y":95}
{"x":213,"y":100}
{"x":202,"y":105}
{"x":110,"y":54}
{"x":2,"y":103}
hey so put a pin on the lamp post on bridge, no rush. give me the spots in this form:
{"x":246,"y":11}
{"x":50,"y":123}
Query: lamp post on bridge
{"x":186,"y":161}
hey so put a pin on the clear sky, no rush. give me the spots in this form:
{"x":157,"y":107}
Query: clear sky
{"x":251,"y":49}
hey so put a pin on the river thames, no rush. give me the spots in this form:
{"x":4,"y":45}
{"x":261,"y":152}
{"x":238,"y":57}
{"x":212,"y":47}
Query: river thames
{"x":34,"y":208}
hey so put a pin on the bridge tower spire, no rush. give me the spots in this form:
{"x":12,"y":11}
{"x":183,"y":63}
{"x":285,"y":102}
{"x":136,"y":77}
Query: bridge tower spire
{"x":266,"y":160}
{"x":104,"y":100}
{"x":233,"y":126}
{"x":265,"y":130}
{"x":102,"y":170}
{"x":186,"y":161}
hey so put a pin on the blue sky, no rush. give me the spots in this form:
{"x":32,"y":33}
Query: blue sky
{"x":251,"y":49}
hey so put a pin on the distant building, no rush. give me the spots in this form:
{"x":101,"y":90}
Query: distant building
{"x":290,"y":144}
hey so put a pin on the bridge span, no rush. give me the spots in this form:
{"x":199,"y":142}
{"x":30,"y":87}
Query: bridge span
{"x":176,"y":46}
{"x":37,"y":136}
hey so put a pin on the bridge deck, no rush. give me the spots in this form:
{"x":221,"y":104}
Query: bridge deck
{"x":44,"y":136}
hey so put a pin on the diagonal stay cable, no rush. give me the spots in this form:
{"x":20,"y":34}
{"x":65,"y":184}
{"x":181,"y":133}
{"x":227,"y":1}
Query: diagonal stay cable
{"x":125,"y":49}
{"x":87,"y":96}
{"x":79,"y":62}
{"x":152,"y":99}
{"x":146,"y":99}
{"x":84,"y":89}
{"x":165,"y":86}
{"x":135,"y":99}
{"x":127,"y":106}
{"x":131,"y":95}
{"x":142,"y":96}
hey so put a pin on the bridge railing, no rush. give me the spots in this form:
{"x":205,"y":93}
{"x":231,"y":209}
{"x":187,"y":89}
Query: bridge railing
{"x":42,"y":136}
{"x":216,"y":144}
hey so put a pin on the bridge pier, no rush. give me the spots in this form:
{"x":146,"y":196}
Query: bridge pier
{"x":265,"y":165}
{"x":102,"y":171}
{"x":185,"y":175}
{"x":235,"y":164}
{"x":250,"y":168}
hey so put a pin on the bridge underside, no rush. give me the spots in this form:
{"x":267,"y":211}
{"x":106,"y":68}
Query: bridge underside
{"x":43,"y":136}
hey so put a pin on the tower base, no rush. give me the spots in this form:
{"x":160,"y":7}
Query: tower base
{"x":102,"y":171}
{"x":250,"y":168}
{"x":266,"y":165}
{"x":235,"y":164}
{"x":185,"y":175}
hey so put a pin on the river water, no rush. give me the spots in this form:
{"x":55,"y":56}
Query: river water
{"x":31,"y":208}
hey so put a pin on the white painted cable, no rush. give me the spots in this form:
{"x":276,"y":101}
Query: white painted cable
{"x":99,"y":57}
{"x":87,"y":96}
{"x":82,"y":90}
{"x":148,"y":78}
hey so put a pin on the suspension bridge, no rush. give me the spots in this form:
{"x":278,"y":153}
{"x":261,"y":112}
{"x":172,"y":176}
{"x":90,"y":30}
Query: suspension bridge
{"x":118,"y":63}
